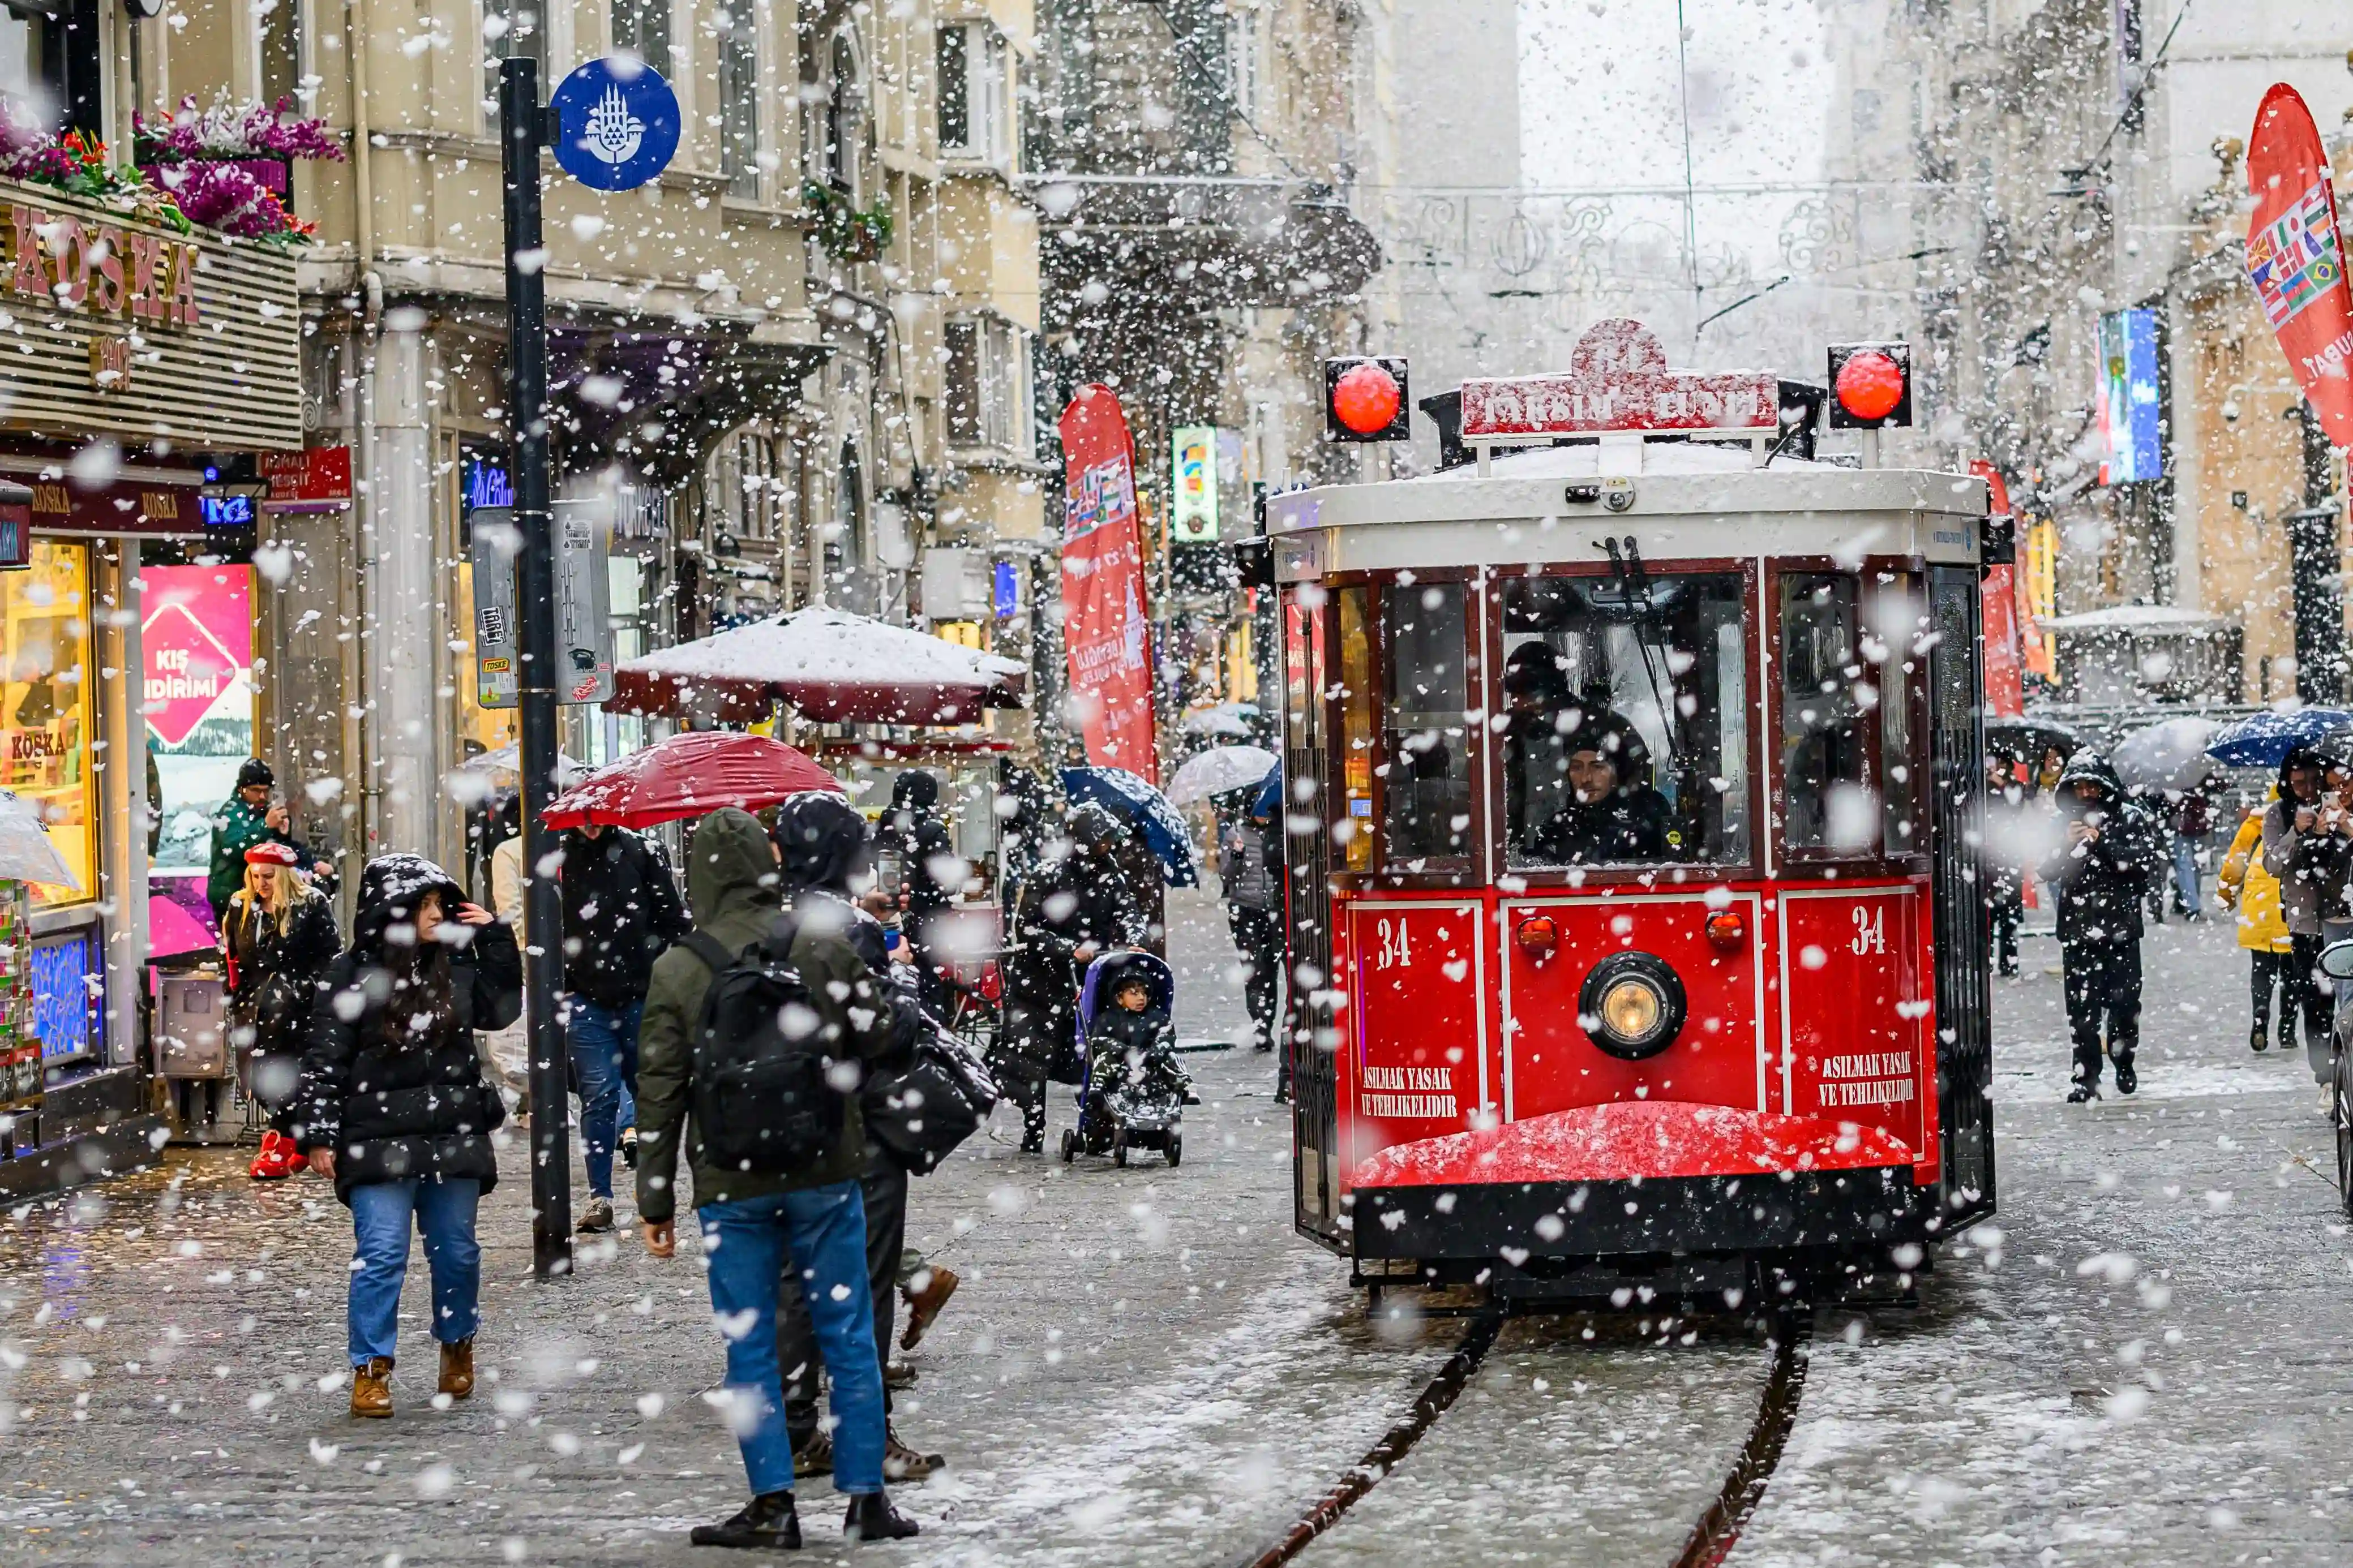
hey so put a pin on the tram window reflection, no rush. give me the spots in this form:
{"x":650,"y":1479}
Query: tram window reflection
{"x":1899,"y":621}
{"x":1426,"y":782}
{"x":1354,"y":833}
{"x":1624,"y":736}
{"x":1828,"y":701}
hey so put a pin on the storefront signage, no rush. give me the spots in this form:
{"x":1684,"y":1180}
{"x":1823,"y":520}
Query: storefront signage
{"x":197,"y":642}
{"x":314,"y":477}
{"x":127,"y":506}
{"x":1193,"y":465}
{"x":1618,"y":380}
{"x":119,"y":326}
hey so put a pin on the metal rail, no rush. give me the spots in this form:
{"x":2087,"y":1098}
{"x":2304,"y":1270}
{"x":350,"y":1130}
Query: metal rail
{"x":1712,"y":1539}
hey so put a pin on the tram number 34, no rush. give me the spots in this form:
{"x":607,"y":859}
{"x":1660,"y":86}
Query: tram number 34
{"x":1395,"y":953}
{"x":1870,"y":932}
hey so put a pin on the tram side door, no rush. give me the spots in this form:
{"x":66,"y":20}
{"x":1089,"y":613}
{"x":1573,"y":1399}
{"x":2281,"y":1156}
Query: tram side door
{"x":1307,"y":908}
{"x":1963,"y":1014}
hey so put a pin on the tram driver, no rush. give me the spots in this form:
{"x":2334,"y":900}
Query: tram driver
{"x":1612,"y":815}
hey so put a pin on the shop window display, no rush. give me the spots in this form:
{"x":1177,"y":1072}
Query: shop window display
{"x":44,"y":710}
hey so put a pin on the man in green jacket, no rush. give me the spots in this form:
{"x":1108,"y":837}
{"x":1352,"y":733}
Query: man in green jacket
{"x":755,"y":1223}
{"x":245,"y":819}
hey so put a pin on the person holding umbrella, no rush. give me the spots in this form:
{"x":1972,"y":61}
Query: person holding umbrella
{"x":2307,"y":834}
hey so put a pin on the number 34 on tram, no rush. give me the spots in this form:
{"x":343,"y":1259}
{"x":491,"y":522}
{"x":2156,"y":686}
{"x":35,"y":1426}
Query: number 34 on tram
{"x":1632,"y":775}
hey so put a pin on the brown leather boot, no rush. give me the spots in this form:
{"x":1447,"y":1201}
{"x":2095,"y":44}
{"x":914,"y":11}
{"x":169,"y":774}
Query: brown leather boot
{"x":372,"y":1387}
{"x":924,"y":1295}
{"x":458,"y":1369}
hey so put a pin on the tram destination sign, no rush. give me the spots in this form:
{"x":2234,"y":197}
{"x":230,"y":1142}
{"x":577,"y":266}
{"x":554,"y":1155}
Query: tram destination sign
{"x":1618,"y":380}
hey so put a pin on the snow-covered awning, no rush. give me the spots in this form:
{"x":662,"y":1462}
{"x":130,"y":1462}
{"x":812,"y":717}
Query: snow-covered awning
{"x":829,"y":666}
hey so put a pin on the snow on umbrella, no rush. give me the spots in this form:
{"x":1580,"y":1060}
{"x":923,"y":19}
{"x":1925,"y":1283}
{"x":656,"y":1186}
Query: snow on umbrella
{"x":26,"y":855}
{"x":2169,"y":755}
{"x":2263,"y":740}
{"x":1144,"y":808}
{"x":2028,"y":738}
{"x":688,"y":775}
{"x":504,"y":765}
{"x":1228,"y":719}
{"x":831,"y":666}
{"x":1218,"y":770}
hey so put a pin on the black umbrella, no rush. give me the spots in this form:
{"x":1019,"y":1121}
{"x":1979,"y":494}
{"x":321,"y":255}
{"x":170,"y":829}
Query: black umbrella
{"x":2027,"y":737}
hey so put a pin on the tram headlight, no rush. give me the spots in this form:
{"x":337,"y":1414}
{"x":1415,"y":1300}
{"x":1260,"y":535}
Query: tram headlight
{"x":1633,"y":1005}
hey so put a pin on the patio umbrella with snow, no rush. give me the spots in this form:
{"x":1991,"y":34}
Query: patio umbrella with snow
{"x":829,"y":666}
{"x":688,"y":775}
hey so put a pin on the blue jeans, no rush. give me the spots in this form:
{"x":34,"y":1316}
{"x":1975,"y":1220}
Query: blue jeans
{"x":444,"y":1217}
{"x":822,"y":1232}
{"x":603,"y":1046}
{"x":2185,"y":870}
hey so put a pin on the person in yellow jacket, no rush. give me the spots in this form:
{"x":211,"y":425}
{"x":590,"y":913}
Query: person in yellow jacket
{"x":2262,"y":927}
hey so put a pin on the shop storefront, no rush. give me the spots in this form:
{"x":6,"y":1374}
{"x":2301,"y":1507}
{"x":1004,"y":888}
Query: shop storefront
{"x":143,"y":365}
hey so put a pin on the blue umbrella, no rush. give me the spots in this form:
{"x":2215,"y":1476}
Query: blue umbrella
{"x":1269,"y":800}
{"x":1143,"y":809}
{"x":2262,"y":740}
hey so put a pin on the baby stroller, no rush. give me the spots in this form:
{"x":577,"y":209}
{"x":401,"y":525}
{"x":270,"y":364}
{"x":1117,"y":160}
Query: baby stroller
{"x":1122,"y":1108}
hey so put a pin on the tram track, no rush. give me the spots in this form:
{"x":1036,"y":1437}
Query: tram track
{"x":1713,"y":1535}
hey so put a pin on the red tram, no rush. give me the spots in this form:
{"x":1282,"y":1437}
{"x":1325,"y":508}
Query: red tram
{"x":1631,"y":793}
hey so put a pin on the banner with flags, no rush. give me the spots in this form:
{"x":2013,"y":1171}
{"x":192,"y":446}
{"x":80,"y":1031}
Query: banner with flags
{"x":1106,"y":635}
{"x":2296,"y":256}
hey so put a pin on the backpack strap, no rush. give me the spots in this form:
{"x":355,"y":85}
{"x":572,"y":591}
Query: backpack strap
{"x":710,"y":949}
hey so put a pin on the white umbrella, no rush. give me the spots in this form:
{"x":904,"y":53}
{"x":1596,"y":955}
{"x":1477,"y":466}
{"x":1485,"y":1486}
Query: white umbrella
{"x":1221,"y":720}
{"x":1215,"y":772}
{"x":2168,"y":755}
{"x":832,"y":668}
{"x":505,"y":764}
{"x":26,"y":854}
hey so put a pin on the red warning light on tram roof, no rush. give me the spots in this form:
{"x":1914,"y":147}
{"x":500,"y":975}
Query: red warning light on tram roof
{"x":1871,"y":386}
{"x":1365,"y":400}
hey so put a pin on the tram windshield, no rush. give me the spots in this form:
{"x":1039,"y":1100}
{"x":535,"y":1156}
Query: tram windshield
{"x":1624,"y":720}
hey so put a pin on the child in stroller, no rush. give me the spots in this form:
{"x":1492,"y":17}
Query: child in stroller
{"x":1133,"y":1094}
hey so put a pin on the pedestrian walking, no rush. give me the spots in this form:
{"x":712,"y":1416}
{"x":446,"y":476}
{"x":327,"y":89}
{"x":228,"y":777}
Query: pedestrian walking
{"x":1253,"y":905}
{"x":2001,"y":878}
{"x":1074,"y":904}
{"x":821,"y":847}
{"x":2306,"y":835}
{"x":756,"y":1221}
{"x":279,"y":937}
{"x":621,"y":909}
{"x":2101,"y":875}
{"x":2193,"y":829}
{"x":394,"y":1111}
{"x":916,"y":865}
{"x":2242,"y":883}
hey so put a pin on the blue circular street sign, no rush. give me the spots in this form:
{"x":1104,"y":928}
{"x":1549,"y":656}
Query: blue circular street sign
{"x":616,"y":123}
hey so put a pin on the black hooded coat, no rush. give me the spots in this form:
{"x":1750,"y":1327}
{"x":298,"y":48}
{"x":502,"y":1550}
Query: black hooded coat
{"x":2101,"y":883}
{"x":1066,"y":902}
{"x":913,"y":837}
{"x":393,"y":1099}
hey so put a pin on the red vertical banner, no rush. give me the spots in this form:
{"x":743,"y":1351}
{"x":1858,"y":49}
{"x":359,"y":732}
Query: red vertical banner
{"x":2296,"y":256}
{"x":2005,"y":682}
{"x":1106,"y":635}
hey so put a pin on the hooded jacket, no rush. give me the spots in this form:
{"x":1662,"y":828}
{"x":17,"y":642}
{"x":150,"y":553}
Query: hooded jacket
{"x":732,"y":884}
{"x":913,"y":835}
{"x":620,"y":909}
{"x":2256,"y":892}
{"x":2101,"y":883}
{"x":2310,"y":867}
{"x":395,"y":1103}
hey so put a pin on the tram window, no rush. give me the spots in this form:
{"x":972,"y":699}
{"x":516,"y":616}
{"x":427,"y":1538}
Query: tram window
{"x":1354,"y":832}
{"x":1625,"y":740}
{"x":1828,"y":702}
{"x":1899,"y":625}
{"x":1426,"y":764}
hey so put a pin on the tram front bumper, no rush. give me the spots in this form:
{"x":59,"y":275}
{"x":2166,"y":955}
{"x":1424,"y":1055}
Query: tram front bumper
{"x":1645,"y":1177}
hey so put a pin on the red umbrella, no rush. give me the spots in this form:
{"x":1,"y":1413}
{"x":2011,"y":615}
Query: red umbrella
{"x":688,"y":775}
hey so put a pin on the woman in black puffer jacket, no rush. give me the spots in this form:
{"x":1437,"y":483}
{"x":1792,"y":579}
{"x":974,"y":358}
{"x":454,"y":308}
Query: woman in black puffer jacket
{"x":394,"y":1110}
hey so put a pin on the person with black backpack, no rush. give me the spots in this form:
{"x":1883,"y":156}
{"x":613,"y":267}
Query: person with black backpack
{"x":759,"y":1031}
{"x":821,"y":848}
